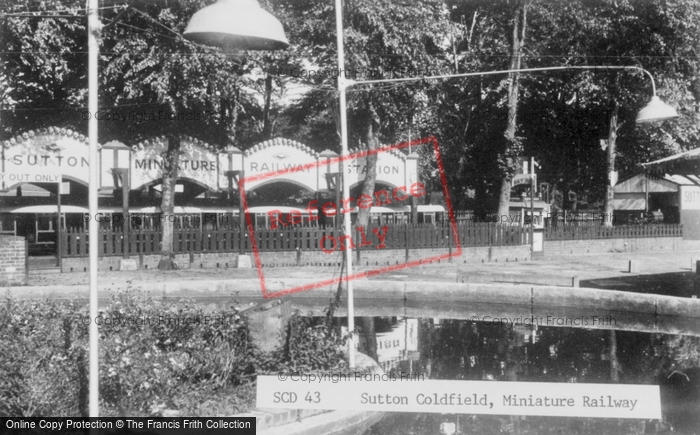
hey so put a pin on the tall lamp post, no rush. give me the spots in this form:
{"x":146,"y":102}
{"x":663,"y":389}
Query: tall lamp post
{"x":233,"y":25}
{"x":94,"y":27}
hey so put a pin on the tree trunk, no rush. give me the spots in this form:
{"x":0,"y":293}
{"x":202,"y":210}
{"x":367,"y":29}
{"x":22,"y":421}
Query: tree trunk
{"x":511,"y":375}
{"x":267,"y":123}
{"x":614,"y":363}
{"x":483,"y":203}
{"x":612,"y":175}
{"x":512,"y":145}
{"x":167,"y":205}
{"x":370,"y":334}
{"x":372,"y":143}
{"x":229,"y":117}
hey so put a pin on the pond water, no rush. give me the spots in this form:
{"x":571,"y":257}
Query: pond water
{"x":452,"y":349}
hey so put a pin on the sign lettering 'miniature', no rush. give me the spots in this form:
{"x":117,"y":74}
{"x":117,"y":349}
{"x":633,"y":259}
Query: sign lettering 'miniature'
{"x":195,"y":162}
{"x":183,"y":165}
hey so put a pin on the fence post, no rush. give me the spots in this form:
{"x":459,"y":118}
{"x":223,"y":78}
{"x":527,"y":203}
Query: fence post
{"x":406,"y":239}
{"x":141,"y":246}
{"x":449,"y":241}
{"x":60,"y":239}
{"x":190,"y":239}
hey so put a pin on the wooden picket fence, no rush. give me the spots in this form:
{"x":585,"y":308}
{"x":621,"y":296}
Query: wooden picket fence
{"x":579,"y":232}
{"x":419,"y":236}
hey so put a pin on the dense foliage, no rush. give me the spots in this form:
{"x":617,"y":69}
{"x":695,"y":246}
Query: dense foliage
{"x":562,"y":116}
{"x":153,"y":356}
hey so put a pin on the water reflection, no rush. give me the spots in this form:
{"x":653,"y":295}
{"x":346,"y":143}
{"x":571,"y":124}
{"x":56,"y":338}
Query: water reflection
{"x":465,"y":350}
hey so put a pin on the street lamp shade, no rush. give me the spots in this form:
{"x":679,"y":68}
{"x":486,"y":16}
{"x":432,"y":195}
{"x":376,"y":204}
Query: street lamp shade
{"x":655,"y":111}
{"x":236,"y":25}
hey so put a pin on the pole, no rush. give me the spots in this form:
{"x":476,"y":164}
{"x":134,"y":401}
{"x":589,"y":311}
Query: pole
{"x":646,"y":192}
{"x":229,"y":178}
{"x":241,"y":216}
{"x":59,"y":232}
{"x":26,"y":259}
{"x":508,"y":71}
{"x":346,"y":186}
{"x":93,"y":49}
{"x":126,"y":219}
{"x":532,"y":207}
{"x":338,"y":181}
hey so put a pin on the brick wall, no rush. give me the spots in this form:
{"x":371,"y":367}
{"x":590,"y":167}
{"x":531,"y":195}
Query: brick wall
{"x":12,"y":260}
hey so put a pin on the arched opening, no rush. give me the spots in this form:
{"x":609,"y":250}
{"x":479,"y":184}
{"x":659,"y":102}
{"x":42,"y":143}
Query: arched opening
{"x":31,"y":210}
{"x":280,"y":192}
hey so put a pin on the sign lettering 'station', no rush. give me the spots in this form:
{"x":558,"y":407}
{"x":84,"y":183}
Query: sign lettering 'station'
{"x":464,"y":397}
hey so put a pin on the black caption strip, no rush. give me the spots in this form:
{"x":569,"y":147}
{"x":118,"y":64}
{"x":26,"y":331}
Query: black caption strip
{"x":127,"y":425}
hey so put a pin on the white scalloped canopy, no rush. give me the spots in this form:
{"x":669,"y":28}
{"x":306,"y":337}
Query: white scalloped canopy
{"x":31,"y":134}
{"x":189,"y":139}
{"x":279,"y":141}
{"x":393,"y":151}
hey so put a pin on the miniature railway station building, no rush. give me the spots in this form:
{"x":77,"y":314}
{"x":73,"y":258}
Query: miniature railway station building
{"x":44,"y":174}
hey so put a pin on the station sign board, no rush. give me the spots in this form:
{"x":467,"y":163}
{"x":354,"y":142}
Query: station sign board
{"x":519,"y":179}
{"x":391,"y":168}
{"x":690,"y":197}
{"x":291,"y":161}
{"x":196,"y":163}
{"x":44,"y":158}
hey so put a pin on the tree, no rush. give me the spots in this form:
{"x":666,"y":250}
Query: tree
{"x":611,"y":143}
{"x":564,"y":115}
{"x":559,"y":118}
{"x":383,"y":39}
{"x":478,"y":116}
{"x":146,"y":67}
{"x":150,"y":62}
{"x":513,"y":147}
{"x":586,"y":149}
{"x":43,"y":71}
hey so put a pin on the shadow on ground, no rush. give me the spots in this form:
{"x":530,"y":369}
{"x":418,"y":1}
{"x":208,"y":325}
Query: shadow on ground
{"x":680,"y":284}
